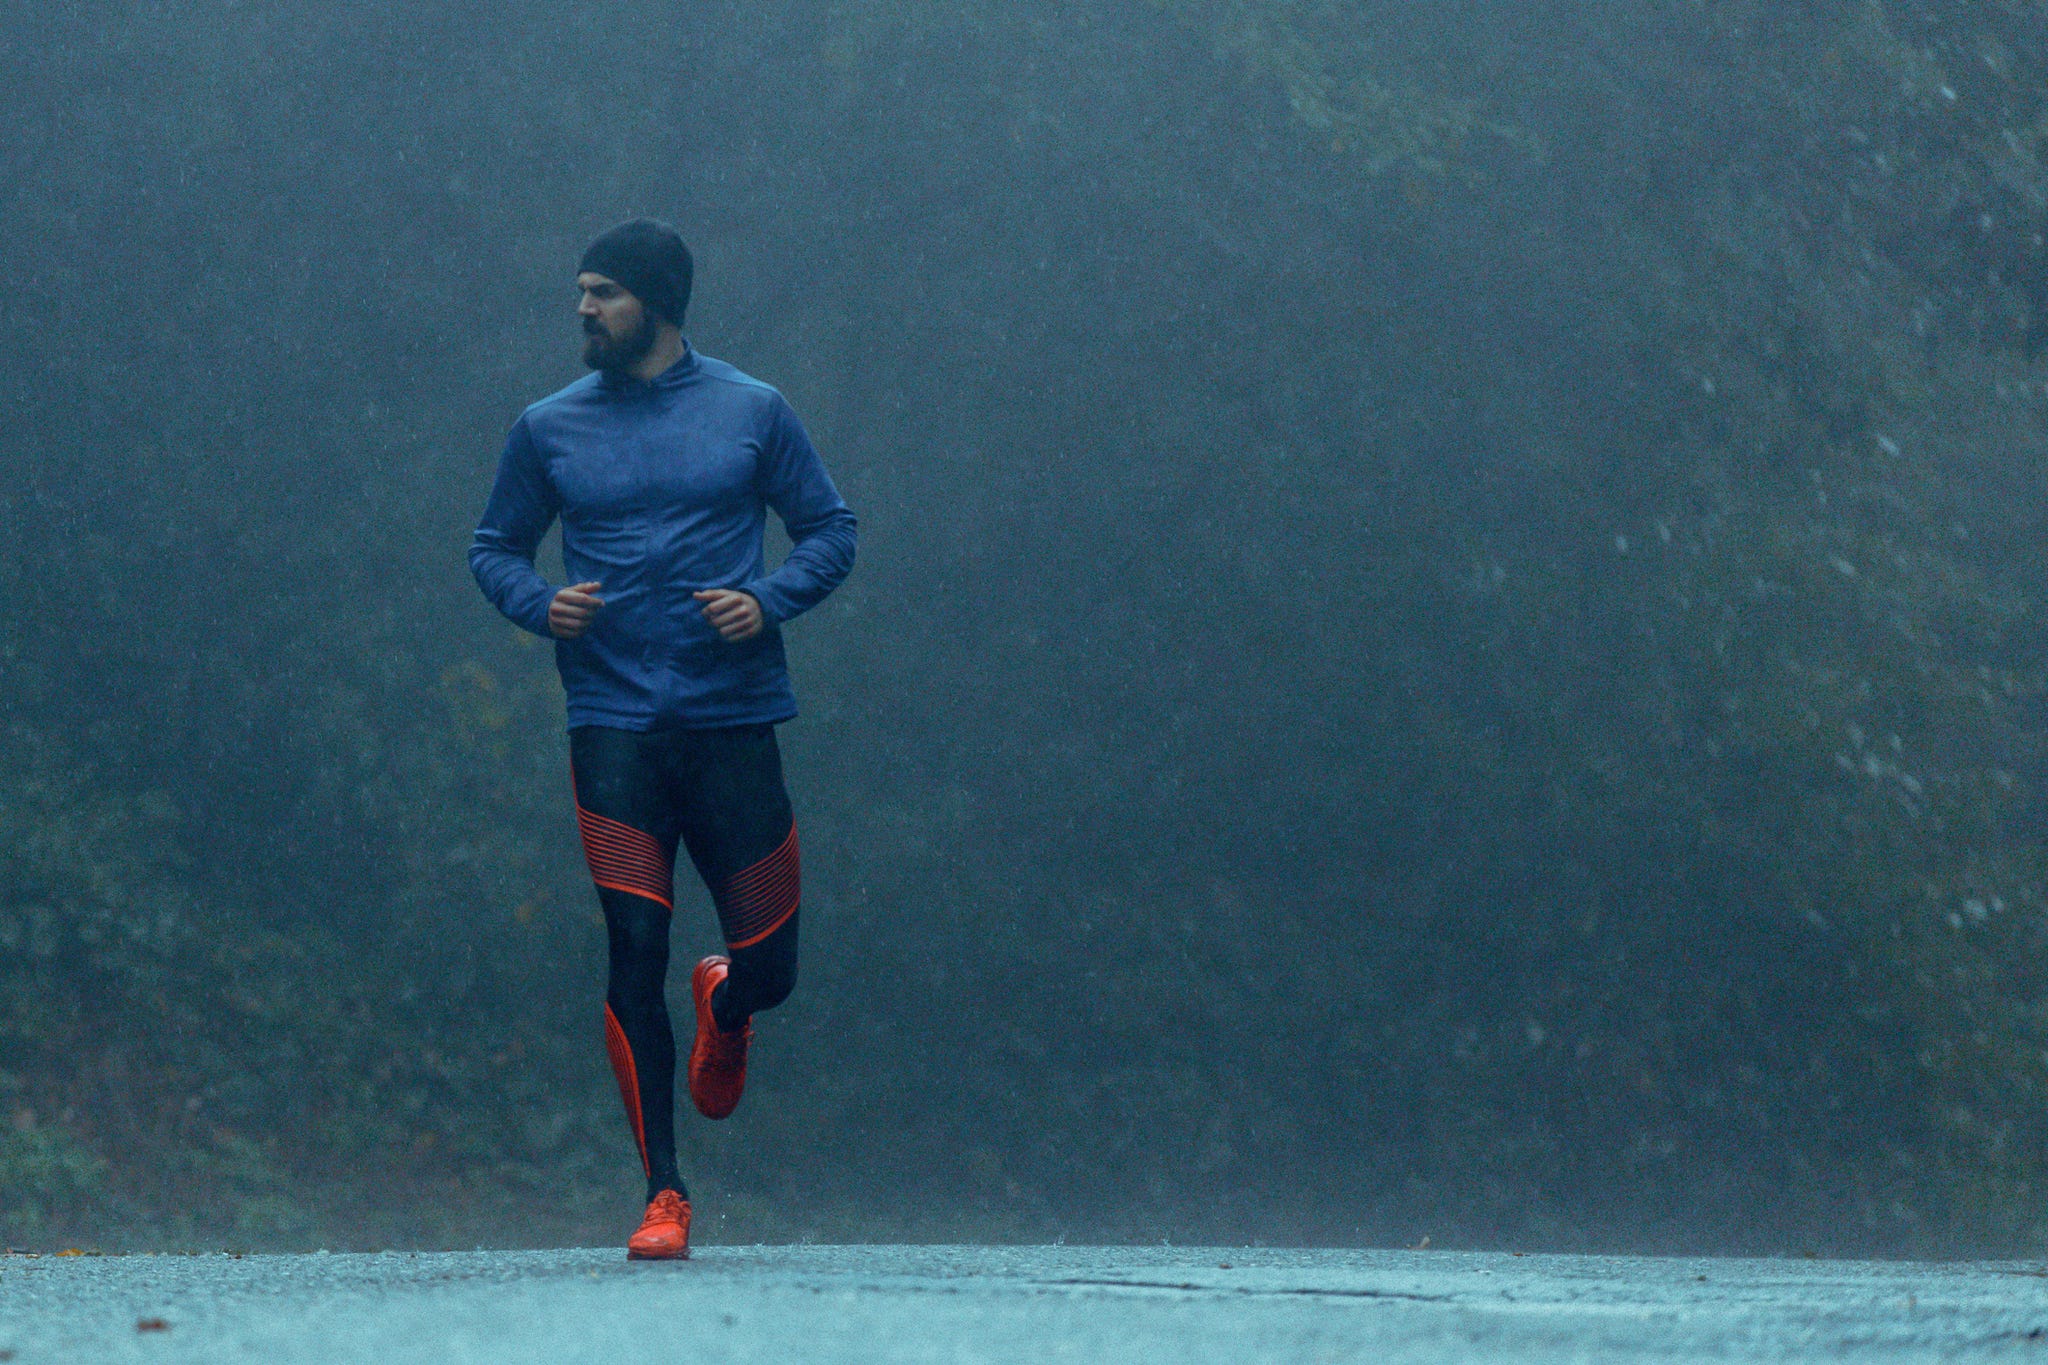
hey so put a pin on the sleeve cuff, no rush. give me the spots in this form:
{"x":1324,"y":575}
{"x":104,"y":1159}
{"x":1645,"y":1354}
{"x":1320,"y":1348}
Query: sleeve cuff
{"x":536,"y":619}
{"x":762,"y":591}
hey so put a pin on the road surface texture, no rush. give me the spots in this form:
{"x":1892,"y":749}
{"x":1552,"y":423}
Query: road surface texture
{"x":824,"y":1304}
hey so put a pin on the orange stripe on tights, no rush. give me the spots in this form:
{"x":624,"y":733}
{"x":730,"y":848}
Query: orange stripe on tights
{"x":621,"y":1054}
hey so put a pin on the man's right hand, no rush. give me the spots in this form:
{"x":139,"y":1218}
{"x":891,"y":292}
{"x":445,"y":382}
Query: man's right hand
{"x":573,"y":609}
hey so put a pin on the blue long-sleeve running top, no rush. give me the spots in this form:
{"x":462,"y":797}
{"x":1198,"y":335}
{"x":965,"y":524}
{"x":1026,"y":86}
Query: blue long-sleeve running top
{"x":663,"y":488}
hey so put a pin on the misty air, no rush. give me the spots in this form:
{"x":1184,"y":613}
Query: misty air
{"x":1157,"y":681}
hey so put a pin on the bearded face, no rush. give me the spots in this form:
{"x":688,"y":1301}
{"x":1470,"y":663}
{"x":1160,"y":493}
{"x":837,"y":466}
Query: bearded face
{"x":616,"y":340}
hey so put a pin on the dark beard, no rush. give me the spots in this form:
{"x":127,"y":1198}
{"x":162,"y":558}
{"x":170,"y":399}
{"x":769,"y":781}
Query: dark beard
{"x":615,"y":358}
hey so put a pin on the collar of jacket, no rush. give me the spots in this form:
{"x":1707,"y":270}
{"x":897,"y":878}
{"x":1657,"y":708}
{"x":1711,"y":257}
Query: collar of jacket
{"x":677,"y":374}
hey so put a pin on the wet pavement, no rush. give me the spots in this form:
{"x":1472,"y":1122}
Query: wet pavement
{"x":826,"y":1304}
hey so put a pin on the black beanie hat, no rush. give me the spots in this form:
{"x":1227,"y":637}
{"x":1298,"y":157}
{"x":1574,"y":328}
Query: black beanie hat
{"x":647,"y":258}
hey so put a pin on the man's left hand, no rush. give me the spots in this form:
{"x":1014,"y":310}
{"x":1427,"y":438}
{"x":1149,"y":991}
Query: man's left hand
{"x":735,"y":615}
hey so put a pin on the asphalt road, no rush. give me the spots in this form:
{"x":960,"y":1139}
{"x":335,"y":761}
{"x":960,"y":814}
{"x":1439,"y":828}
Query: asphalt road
{"x":825,"y":1304}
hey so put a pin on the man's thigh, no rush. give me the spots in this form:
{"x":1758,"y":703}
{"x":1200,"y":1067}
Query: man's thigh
{"x":626,"y":809}
{"x":739,"y":829}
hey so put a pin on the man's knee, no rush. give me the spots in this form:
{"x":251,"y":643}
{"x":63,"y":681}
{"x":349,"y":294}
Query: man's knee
{"x":761,"y":981}
{"x":777,"y":983}
{"x":637,"y":929}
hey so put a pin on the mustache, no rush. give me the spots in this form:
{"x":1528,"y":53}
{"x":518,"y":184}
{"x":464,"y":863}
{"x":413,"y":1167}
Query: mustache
{"x":592,"y":327}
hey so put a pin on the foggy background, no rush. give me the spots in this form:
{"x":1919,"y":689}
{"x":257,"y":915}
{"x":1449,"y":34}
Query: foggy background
{"x":1446,"y":640}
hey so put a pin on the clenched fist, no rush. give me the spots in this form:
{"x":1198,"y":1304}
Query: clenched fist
{"x":734,"y":614}
{"x":573,"y":609}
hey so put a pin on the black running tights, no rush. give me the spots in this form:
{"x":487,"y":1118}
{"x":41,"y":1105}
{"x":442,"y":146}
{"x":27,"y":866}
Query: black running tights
{"x":719,"y":793}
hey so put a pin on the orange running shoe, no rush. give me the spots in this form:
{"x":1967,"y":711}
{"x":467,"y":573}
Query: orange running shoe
{"x":664,"y":1233}
{"x":718,"y":1060}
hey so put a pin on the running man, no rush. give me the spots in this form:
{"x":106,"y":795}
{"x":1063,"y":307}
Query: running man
{"x":662,"y":465}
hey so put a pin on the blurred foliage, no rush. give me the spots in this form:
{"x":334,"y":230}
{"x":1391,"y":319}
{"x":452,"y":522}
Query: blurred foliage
{"x":1836,"y":673}
{"x":1843,"y":578}
{"x":1325,"y":59}
{"x":46,"y":1171}
{"x":1447,"y":639}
